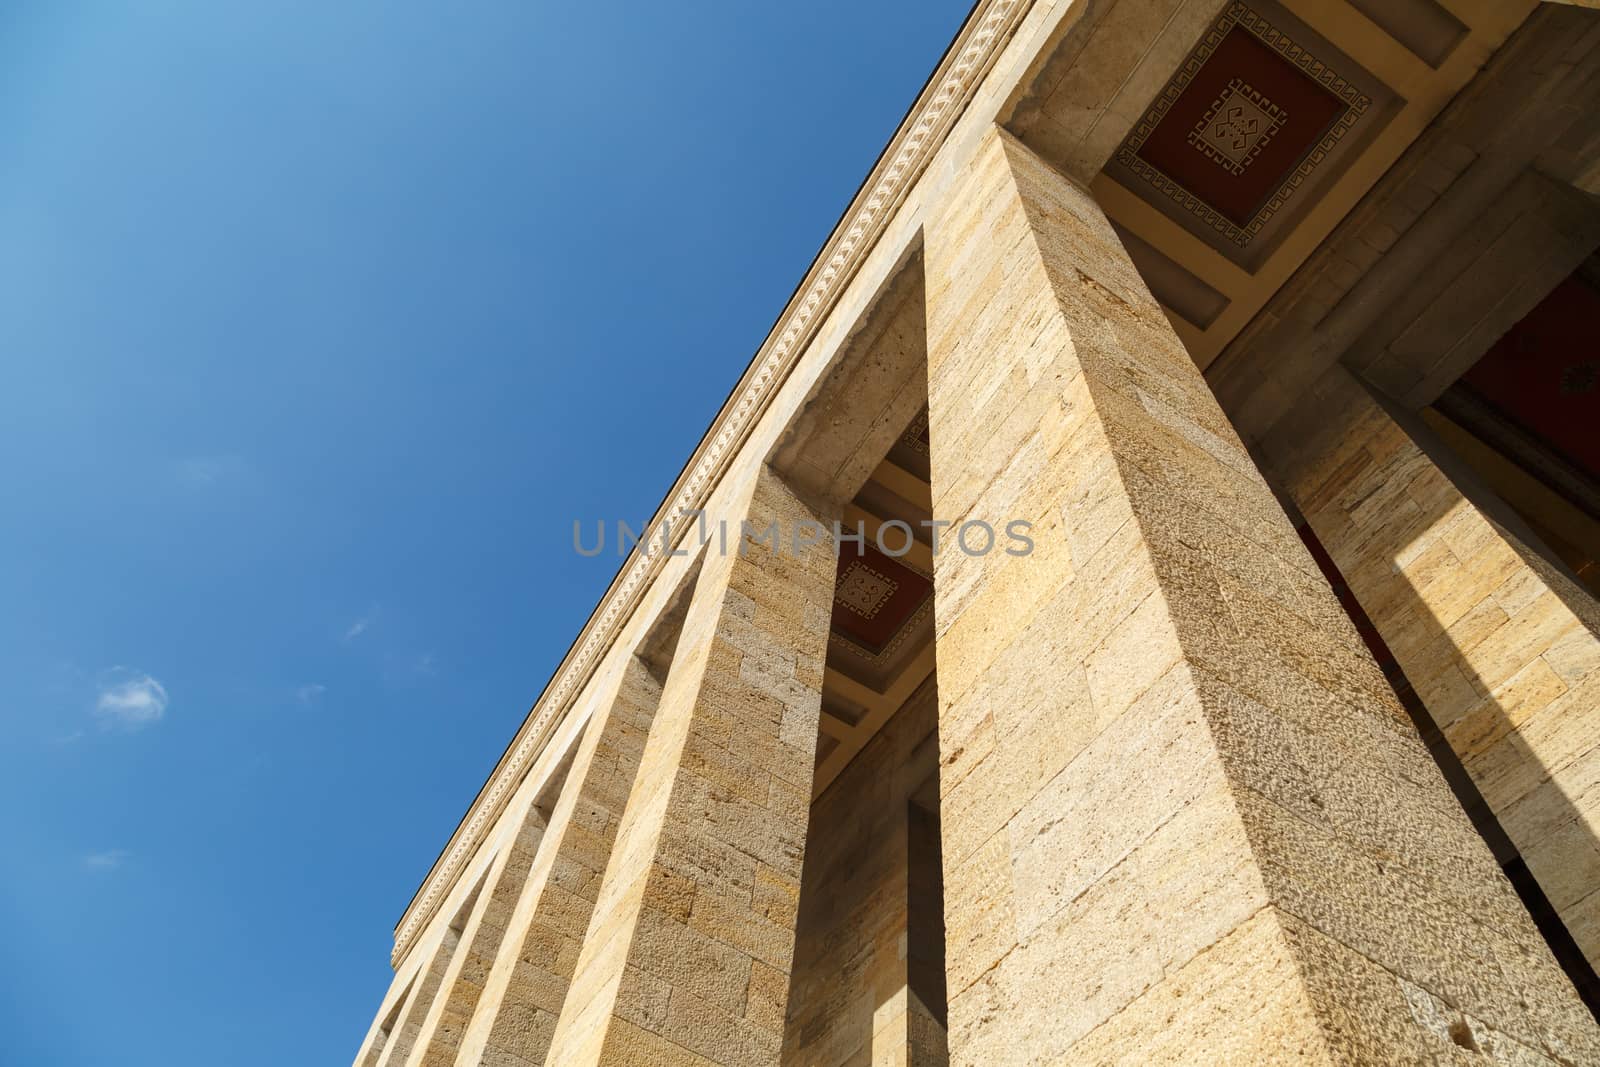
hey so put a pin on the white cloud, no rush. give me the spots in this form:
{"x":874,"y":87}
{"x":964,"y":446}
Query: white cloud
{"x":109,"y":860}
{"x":308,"y":694}
{"x":359,"y":627}
{"x":132,"y":703}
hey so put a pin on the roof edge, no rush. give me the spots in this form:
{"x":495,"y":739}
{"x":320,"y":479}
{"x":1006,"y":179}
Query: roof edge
{"x":921,"y":133}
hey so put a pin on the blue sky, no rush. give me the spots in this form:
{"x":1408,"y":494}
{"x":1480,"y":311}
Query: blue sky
{"x":321,"y":322}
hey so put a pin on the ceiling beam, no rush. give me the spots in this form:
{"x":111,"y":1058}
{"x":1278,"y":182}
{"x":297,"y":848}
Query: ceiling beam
{"x":903,"y":484}
{"x":917,"y":554}
{"x":879,"y":710}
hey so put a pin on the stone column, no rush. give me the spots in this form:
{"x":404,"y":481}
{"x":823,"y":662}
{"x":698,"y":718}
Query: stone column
{"x":687,"y":958}
{"x":463,"y":980}
{"x":1183,"y":817}
{"x":516,"y":1015}
{"x":386,"y":1024}
{"x":856,"y":989}
{"x":1500,"y":646}
{"x":403,"y":1041}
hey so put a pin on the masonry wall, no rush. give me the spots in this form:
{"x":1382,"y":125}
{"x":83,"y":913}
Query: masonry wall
{"x":1184,"y":818}
{"x":1501,"y":648}
{"x":851,"y":1001}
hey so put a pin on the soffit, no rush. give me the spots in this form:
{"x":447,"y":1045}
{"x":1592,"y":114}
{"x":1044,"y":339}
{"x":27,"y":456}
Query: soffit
{"x":880,"y":640}
{"x":1482,"y":216}
{"x":1240,"y":133}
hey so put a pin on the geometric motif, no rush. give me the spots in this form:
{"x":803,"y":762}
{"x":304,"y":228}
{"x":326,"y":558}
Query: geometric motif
{"x":863,"y":590}
{"x":1237,"y":126}
{"x":1249,"y":69}
{"x":916,"y":435}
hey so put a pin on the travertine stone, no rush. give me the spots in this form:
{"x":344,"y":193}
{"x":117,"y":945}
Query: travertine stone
{"x":851,"y":999}
{"x":403,"y":1042}
{"x":524,"y":990}
{"x":693,"y":931}
{"x":381,"y":1033}
{"x":479,"y":942}
{"x":1183,"y":815}
{"x":874,"y":389}
{"x":1501,"y":647}
{"x":1183,"y":819}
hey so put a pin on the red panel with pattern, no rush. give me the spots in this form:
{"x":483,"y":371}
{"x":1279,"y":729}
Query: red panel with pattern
{"x":875,"y":596}
{"x":1307,"y":110}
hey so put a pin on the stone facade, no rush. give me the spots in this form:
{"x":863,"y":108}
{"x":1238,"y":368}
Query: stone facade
{"x":516,"y":1016}
{"x":686,"y":959}
{"x":855,"y":997}
{"x":1097,"y":766}
{"x":1502,"y":648}
{"x":1182,"y":690}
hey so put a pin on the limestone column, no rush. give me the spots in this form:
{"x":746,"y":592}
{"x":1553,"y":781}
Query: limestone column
{"x":687,"y":958}
{"x":522,"y":998}
{"x":463,"y":980}
{"x":1183,"y":817}
{"x":403,"y":1041}
{"x":868,"y":962}
{"x":386,"y":1024}
{"x":1500,"y":646}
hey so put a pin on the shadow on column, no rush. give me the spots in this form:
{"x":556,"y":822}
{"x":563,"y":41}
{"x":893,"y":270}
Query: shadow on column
{"x":869,"y":960}
{"x":1463,"y":711}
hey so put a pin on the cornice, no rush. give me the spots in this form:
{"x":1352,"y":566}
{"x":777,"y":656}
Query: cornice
{"x":920,"y":135}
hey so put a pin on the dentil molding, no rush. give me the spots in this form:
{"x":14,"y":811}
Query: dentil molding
{"x":982,"y":37}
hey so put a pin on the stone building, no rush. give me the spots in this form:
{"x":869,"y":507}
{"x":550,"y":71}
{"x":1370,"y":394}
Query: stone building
{"x":1270,"y":733}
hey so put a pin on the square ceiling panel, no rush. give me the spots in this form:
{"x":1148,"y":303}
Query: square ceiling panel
{"x":875,"y":597}
{"x":882,"y":613}
{"x":1260,"y":116}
